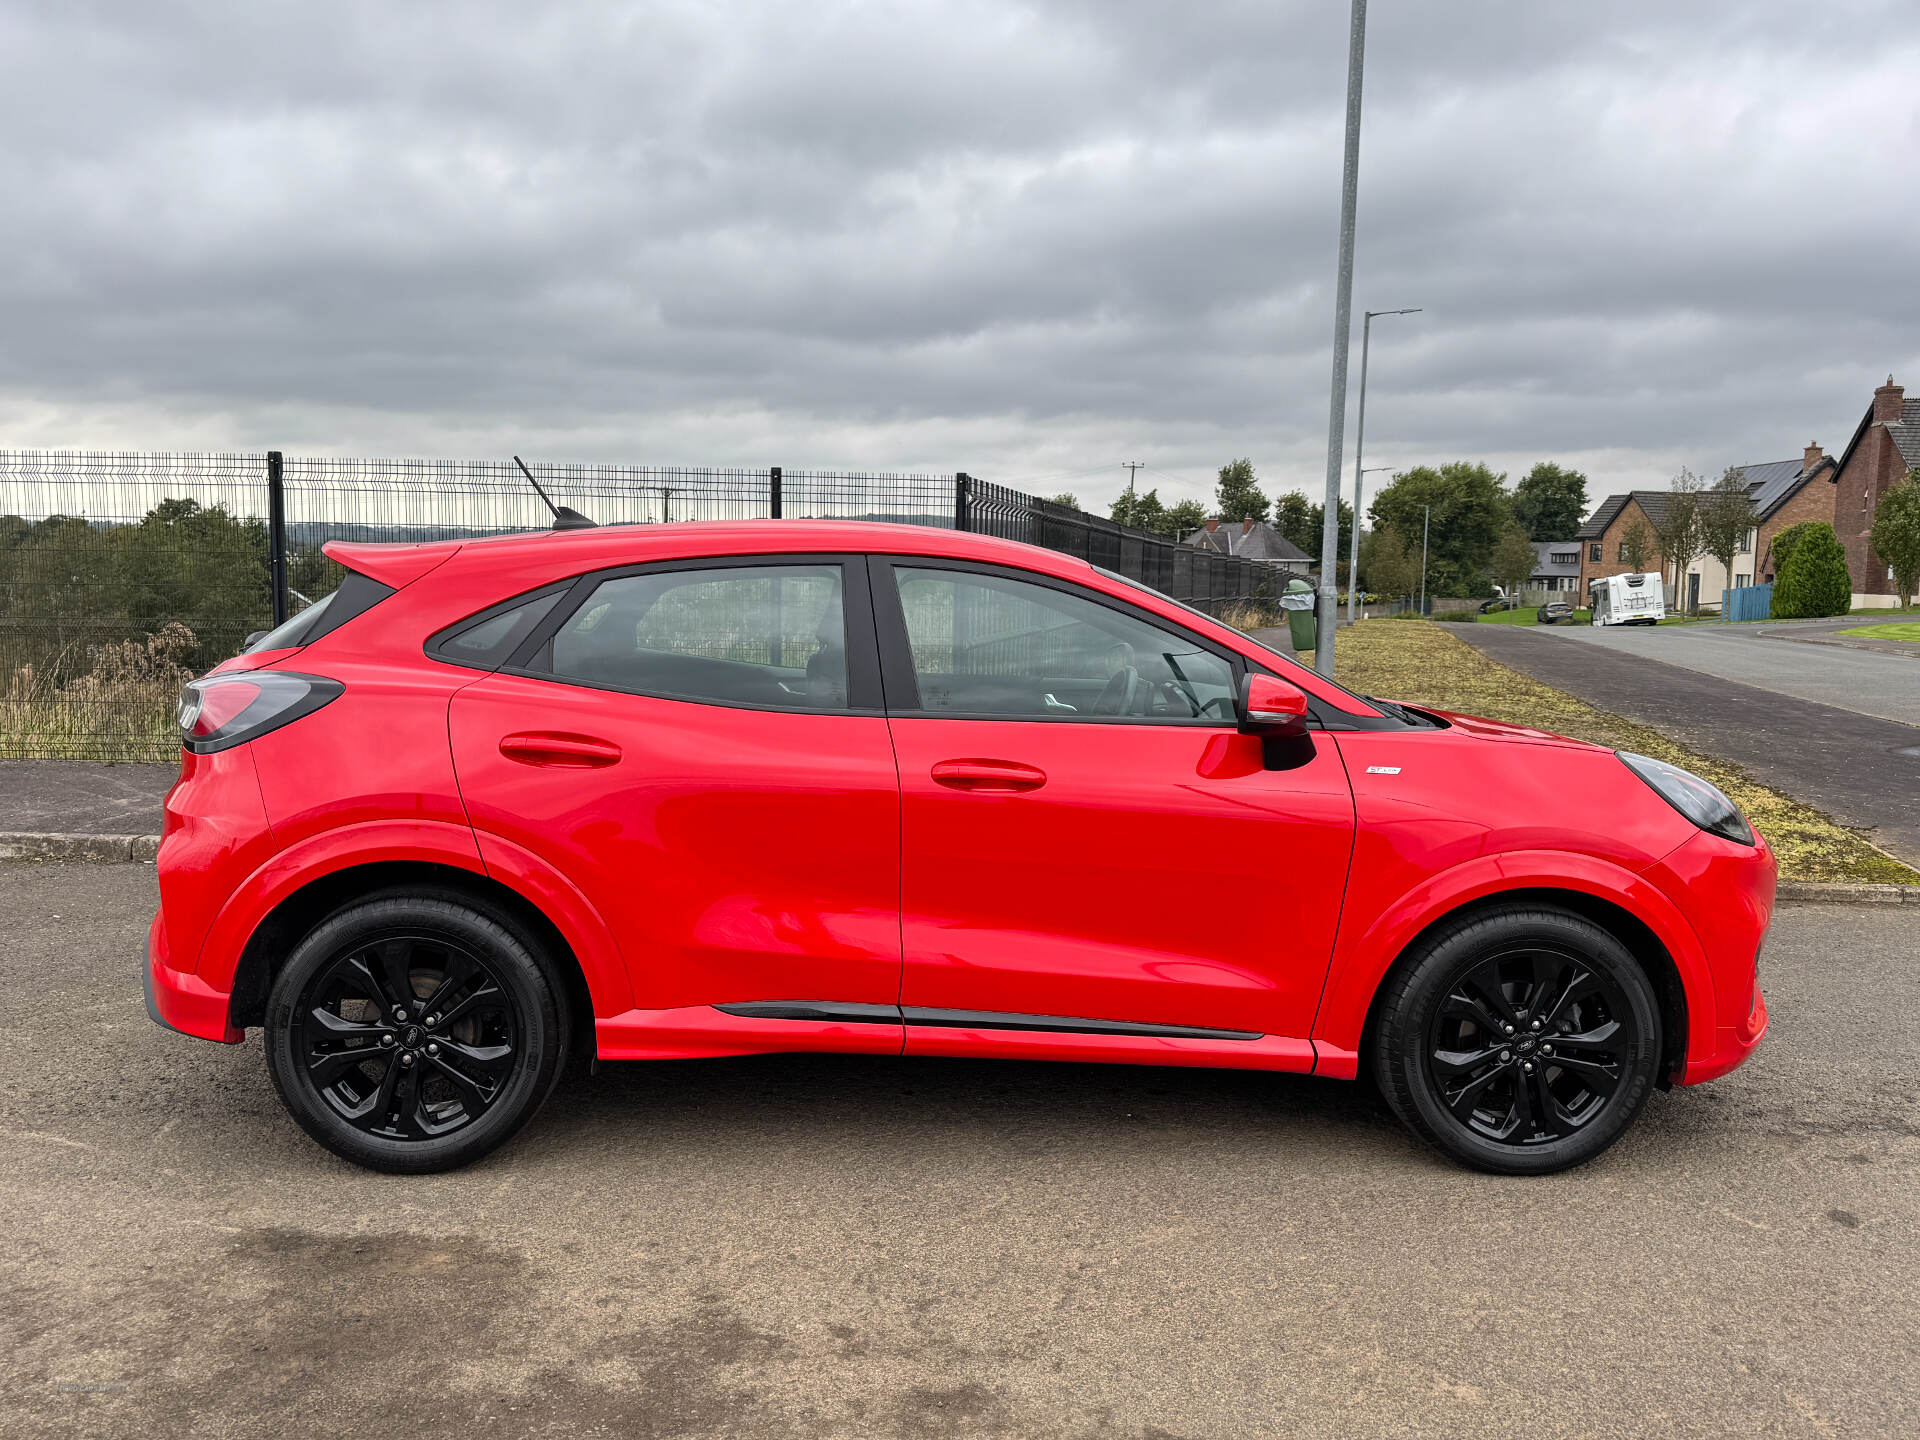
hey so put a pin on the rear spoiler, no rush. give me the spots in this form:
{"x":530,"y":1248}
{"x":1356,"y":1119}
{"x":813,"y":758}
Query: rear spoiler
{"x":392,"y":565}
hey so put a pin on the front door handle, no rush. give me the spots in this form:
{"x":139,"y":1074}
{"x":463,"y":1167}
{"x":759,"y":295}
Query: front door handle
{"x":991,"y":776}
{"x":559,"y":751}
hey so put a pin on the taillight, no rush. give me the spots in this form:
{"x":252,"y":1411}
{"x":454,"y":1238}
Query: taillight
{"x":227,"y":710}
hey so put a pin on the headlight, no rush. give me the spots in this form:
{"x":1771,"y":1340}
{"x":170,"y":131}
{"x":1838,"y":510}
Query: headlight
{"x":1700,"y":802}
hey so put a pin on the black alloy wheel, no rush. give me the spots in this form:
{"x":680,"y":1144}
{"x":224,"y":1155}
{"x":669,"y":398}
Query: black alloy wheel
{"x":1519,"y":1041}
{"x":411,"y":1032}
{"x":407,"y":1036}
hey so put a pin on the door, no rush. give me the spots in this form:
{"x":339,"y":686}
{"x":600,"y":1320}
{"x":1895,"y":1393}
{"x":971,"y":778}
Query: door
{"x":1085,"y":835}
{"x":700,"y":748}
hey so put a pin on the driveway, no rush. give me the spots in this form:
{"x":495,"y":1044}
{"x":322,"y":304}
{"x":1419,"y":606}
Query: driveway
{"x":819,"y":1246}
{"x":1860,"y":768}
{"x":1868,"y":682}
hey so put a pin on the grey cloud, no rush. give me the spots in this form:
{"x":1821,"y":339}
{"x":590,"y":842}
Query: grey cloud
{"x":1640,"y":230}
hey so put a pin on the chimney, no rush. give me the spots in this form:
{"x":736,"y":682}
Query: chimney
{"x":1812,"y":458}
{"x":1246,"y":527}
{"x":1886,"y":401}
{"x":1212,"y":525}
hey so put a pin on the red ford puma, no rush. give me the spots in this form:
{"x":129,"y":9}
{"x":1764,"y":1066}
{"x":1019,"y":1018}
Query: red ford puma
{"x":652,"y":792}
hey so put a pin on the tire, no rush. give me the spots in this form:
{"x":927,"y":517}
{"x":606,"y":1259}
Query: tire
{"x":434,"y":1091}
{"x":1483,"y":999}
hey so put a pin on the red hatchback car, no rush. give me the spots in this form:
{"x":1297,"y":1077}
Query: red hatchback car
{"x":654,"y":792}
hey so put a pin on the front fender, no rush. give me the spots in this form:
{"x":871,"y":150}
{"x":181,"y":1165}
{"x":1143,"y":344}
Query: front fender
{"x":1364,"y":952}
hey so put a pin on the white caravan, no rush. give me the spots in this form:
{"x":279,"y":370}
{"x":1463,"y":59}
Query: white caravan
{"x":1628,"y":600}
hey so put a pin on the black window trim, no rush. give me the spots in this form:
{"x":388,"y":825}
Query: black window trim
{"x":864,"y":695}
{"x":896,"y":652}
{"x":437,"y":642}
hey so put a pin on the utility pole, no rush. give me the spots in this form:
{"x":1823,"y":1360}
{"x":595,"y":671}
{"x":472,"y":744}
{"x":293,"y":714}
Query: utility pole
{"x":1426,"y":516}
{"x":1328,"y":608}
{"x":1131,"y":467}
{"x":1359,"y":450}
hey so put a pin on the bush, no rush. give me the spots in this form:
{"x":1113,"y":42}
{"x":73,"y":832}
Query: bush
{"x":1812,"y":578}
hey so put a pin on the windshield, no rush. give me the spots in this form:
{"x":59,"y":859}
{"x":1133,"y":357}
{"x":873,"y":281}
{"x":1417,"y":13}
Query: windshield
{"x":1195,"y":610}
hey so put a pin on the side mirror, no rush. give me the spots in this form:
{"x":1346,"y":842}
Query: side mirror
{"x":252,"y":640}
{"x":1270,"y":706}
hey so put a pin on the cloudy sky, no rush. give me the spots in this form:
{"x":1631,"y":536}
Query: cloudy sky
{"x":1029,"y":241}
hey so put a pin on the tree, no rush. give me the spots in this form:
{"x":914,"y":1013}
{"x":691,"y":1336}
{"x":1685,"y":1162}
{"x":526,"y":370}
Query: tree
{"x":1065,"y":497}
{"x":1238,"y":493}
{"x":1140,"y":509}
{"x":1813,"y":579}
{"x":1726,"y":515}
{"x":1513,"y":560}
{"x":1386,"y":564}
{"x":1678,"y":529}
{"x":1185,"y":518}
{"x":1470,"y":513}
{"x":1895,"y":536}
{"x":1642,"y":549}
{"x":1316,"y":517}
{"x":1294,"y":518}
{"x":1550,"y":502}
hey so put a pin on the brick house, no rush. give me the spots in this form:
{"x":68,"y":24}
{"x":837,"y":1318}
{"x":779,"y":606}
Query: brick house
{"x":1783,"y":493}
{"x":1252,"y":540}
{"x":1602,"y":539}
{"x":1883,"y":449}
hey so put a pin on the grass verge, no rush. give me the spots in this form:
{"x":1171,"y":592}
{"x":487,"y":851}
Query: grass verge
{"x":1423,"y":665}
{"x":1901,"y":631}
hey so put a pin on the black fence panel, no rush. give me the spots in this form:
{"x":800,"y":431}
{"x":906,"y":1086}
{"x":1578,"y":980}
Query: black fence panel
{"x":123,"y":575}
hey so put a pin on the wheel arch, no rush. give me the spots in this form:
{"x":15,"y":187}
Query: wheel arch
{"x":295,"y":914}
{"x":1639,"y":939}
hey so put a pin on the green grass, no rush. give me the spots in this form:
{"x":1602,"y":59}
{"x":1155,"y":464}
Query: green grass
{"x":1525,"y":616}
{"x":1907,"y":632}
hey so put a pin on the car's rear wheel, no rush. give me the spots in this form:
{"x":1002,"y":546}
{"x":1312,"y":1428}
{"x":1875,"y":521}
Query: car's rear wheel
{"x":410,"y":1033}
{"x":1519,"y":1041}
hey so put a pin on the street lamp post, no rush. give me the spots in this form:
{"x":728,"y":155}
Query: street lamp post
{"x":1327,"y":610}
{"x":1426,"y":515}
{"x":1359,"y":450}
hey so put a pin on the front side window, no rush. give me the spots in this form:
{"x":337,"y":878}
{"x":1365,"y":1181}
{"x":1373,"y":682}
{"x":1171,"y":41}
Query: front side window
{"x":991,"y":646}
{"x":762,"y":635}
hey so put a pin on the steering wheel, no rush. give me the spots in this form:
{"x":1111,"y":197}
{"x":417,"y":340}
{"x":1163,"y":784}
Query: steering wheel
{"x":1120,"y":694}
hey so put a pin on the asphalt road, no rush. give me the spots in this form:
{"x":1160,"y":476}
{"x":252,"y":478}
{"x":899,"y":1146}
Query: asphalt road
{"x":1861,"y":769}
{"x":853,"y":1247}
{"x":1868,"y":683}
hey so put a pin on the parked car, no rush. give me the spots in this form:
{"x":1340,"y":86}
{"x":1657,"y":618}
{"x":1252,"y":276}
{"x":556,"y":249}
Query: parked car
{"x":649,"y":792}
{"x":1553,"y":612}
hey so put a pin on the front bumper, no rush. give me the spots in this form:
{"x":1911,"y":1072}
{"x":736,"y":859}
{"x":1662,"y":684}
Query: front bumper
{"x":1726,"y":891}
{"x":180,"y":1001}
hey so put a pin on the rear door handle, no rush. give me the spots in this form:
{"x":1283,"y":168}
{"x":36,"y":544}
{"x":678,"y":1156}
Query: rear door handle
{"x":558,"y":751}
{"x":994,"y":776}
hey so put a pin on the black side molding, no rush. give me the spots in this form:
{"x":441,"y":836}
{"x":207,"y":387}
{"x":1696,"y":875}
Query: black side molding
{"x":1068,"y":1024}
{"x":824,"y":1010}
{"x":814,"y":1010}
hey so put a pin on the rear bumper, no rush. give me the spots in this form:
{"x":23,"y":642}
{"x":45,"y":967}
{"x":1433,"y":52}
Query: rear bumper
{"x":180,"y":1001}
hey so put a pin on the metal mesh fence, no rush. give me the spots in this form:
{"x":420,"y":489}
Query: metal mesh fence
{"x":122,"y":575}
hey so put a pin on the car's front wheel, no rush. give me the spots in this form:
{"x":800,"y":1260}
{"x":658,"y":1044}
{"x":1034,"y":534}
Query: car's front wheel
{"x":1519,"y":1041}
{"x":410,"y":1032}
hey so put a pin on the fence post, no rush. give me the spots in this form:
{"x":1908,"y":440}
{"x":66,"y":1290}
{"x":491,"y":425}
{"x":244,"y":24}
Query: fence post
{"x":773,"y":492}
{"x":277,"y":536}
{"x":962,"y":498}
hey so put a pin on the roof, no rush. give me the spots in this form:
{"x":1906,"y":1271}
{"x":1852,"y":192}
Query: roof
{"x":1545,"y":566}
{"x":1905,"y":432}
{"x":1260,"y":541}
{"x":1653,"y":503}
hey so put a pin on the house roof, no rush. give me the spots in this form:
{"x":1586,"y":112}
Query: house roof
{"x":1259,"y":541}
{"x":1905,"y":432}
{"x":1544,"y":564}
{"x":1653,"y":503}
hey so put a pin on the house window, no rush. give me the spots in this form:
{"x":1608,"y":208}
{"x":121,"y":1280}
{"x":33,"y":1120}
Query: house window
{"x":1572,"y":557}
{"x":1740,"y":582}
{"x":1746,"y":544}
{"x":1623,"y":552}
{"x":1593,"y":552}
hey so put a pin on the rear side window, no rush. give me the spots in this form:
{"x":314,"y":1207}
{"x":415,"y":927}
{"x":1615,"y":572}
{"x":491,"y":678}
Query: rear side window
{"x":488,"y":640}
{"x":759,"y":635}
{"x":356,"y":595}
